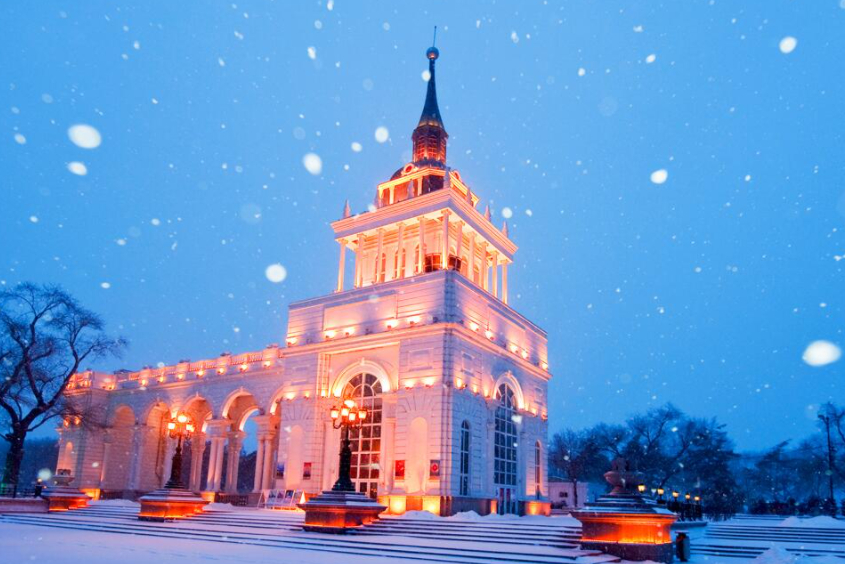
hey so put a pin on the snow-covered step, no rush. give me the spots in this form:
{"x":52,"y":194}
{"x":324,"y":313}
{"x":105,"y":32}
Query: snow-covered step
{"x":268,"y":528}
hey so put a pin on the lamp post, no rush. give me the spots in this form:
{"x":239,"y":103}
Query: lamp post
{"x":345,"y":417}
{"x":180,"y":427}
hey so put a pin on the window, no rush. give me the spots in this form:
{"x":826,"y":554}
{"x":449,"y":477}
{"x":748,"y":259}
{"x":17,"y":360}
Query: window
{"x":417,"y":259}
{"x":365,"y":390}
{"x":538,"y":465}
{"x":504,"y":455}
{"x":465,"y":459}
{"x":382,"y":268}
{"x":399,"y":264}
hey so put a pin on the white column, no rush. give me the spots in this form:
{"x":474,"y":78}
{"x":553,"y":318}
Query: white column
{"x":505,"y":281}
{"x":399,"y":248}
{"x":258,"y":482}
{"x":444,"y":252}
{"x":421,"y":243}
{"x":459,"y":244}
{"x":269,"y":463}
{"x":107,"y":440}
{"x":485,"y":268}
{"x":169,"y":449}
{"x":495,"y":256}
{"x":197,"y":450}
{"x":378,"y":277}
{"x":212,"y":464}
{"x":359,"y":261}
{"x":342,"y":266}
{"x":235,"y":441}
{"x":471,"y":266}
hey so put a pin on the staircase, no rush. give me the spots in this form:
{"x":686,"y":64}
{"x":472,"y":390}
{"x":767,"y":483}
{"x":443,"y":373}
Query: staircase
{"x":748,"y":537}
{"x":514,"y":541}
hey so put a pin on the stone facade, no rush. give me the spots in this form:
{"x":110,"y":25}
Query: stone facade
{"x":455,"y":380}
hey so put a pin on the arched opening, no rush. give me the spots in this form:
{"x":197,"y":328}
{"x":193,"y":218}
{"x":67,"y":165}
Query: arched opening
{"x":195,"y":451}
{"x":118,"y":457}
{"x":365,"y":390}
{"x":465,"y":458}
{"x":505,"y":448}
{"x":239,"y":458}
{"x":154,"y":449}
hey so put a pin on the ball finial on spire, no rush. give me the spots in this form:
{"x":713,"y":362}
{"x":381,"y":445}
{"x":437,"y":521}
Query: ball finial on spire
{"x":432,"y":53}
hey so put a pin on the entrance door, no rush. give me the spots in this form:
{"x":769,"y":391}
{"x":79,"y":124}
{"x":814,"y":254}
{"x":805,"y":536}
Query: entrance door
{"x":365,"y":390}
{"x":506,"y":500}
{"x":505,"y":448}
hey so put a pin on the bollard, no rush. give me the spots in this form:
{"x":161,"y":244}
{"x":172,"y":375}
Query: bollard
{"x":682,"y":547}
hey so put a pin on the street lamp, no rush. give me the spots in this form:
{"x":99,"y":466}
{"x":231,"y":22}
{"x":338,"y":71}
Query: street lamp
{"x":641,"y":488}
{"x":179,"y":428}
{"x":346,"y":416}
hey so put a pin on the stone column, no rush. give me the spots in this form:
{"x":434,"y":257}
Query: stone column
{"x":505,"y":281}
{"x":167,"y":463}
{"x":379,"y":275}
{"x":197,"y":450}
{"x":400,"y":264}
{"x":459,"y":244}
{"x":269,"y":466}
{"x":107,"y":442}
{"x":421,"y":243}
{"x":359,"y":261}
{"x":471,"y":266}
{"x":444,"y":251}
{"x":216,"y":431}
{"x":236,"y":439}
{"x":258,"y":482}
{"x":485,"y":269}
{"x":342,"y":265}
{"x":495,"y":273}
{"x":139,"y":441}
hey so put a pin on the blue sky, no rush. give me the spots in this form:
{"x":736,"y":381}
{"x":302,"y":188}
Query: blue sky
{"x":703,"y":291}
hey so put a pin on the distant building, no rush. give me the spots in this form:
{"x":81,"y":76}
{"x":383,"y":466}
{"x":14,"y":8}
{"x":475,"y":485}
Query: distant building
{"x":565,"y":494}
{"x":454,"y":379}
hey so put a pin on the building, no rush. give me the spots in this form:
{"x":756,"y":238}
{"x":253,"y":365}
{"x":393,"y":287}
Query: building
{"x":565,"y":495}
{"x":454,"y":379}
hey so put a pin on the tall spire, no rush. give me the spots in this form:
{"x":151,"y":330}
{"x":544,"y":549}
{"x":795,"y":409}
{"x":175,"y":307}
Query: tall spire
{"x":430,"y":135}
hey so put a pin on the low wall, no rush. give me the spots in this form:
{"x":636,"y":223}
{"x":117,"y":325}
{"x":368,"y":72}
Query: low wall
{"x":23,"y":505}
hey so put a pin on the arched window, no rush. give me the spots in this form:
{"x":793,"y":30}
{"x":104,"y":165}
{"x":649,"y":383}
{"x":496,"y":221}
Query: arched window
{"x":504,"y":456}
{"x":417,"y":259}
{"x":465,"y":266}
{"x":538,"y":469}
{"x":382,"y":268}
{"x":465,"y":459}
{"x":365,"y":390}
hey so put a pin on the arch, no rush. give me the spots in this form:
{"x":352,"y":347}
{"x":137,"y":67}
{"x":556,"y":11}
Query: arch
{"x":123,"y":415}
{"x":231,"y":398}
{"x":195,"y":404}
{"x":275,"y":400}
{"x":247,"y":413}
{"x":359,"y":367}
{"x":153,"y":408}
{"x":513,"y":383}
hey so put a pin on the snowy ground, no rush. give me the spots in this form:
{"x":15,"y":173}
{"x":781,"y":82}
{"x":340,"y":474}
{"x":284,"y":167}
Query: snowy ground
{"x":109,"y":532}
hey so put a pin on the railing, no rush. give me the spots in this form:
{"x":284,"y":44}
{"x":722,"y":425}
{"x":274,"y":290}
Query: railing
{"x":10,"y":490}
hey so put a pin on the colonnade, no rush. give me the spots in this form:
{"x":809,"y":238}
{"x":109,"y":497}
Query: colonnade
{"x":398,"y":266}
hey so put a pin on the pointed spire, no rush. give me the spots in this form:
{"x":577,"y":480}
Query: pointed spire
{"x":346,"y":211}
{"x":430,"y":135}
{"x":505,"y":228}
{"x":487,"y":212}
{"x":469,"y":195}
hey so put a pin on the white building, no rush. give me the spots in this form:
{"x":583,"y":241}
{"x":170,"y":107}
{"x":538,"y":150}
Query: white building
{"x":454,"y":379}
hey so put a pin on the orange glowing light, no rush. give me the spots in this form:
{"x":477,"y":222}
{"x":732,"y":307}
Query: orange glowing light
{"x":391,"y":323}
{"x":459,"y":383}
{"x":489,"y":334}
{"x":349,"y":331}
{"x":473,"y":325}
{"x":291,"y":341}
{"x":514,"y":349}
{"x":180,"y":376}
{"x":221,"y":370}
{"x":544,"y":365}
{"x":267,"y":364}
{"x":524,"y":353}
{"x":160,"y":379}
{"x":475,"y":388}
{"x":330,"y":334}
{"x":244,"y":366}
{"x":144,"y":382}
{"x":414,"y":320}
{"x":200,"y":373}
{"x":409,"y":384}
{"x":429,"y":382}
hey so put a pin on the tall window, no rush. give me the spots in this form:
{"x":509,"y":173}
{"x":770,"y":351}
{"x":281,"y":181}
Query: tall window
{"x":417,"y":259}
{"x":504,"y":456}
{"x":382,"y":268}
{"x":365,"y":390}
{"x":465,"y":460}
{"x":538,"y":465}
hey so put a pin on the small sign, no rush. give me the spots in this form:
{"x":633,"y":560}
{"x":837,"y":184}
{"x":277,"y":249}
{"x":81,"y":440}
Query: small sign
{"x":434,"y":469}
{"x":399,"y":469}
{"x":280,"y":471}
{"x":306,"y":471}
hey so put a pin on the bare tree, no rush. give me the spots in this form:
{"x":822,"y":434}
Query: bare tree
{"x":45,"y":336}
{"x":577,"y":454}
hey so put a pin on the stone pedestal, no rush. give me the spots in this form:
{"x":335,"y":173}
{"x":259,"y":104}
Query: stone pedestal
{"x":338,"y":511}
{"x":62,"y":496}
{"x":625,"y":523}
{"x":170,"y":503}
